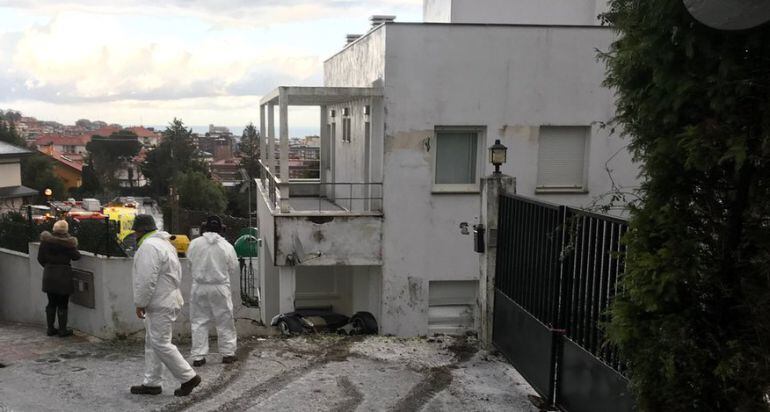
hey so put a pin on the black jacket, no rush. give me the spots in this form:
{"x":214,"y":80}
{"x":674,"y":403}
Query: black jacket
{"x":56,"y":252}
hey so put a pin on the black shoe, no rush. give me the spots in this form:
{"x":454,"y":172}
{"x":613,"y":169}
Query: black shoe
{"x":63,"y":331}
{"x":199,"y":362}
{"x":188,"y":386}
{"x":50,"y":320}
{"x":229,"y":359}
{"x":146,"y":390}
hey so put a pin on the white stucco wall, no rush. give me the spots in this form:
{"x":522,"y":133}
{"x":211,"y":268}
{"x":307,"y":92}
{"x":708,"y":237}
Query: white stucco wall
{"x":21,"y":298}
{"x":348,"y":289}
{"x":509,"y":80}
{"x":10,"y":173}
{"x":15,"y":287}
{"x":359,"y":64}
{"x":329,"y":240}
{"x":437,"y":11}
{"x":553,"y":12}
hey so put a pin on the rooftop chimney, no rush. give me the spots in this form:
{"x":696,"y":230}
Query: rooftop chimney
{"x":379,"y":19}
{"x":350,"y":38}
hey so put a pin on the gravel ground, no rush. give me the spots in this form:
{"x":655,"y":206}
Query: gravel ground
{"x":307,"y":373}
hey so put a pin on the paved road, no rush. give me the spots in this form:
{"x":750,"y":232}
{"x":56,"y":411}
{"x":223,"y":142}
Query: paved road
{"x":318,"y":373}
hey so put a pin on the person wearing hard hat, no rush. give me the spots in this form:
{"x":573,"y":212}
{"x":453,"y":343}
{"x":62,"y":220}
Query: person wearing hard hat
{"x":157,"y":274}
{"x":213,"y":262}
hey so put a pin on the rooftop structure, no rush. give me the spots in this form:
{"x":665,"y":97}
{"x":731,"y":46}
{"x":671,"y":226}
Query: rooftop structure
{"x":12,"y":193}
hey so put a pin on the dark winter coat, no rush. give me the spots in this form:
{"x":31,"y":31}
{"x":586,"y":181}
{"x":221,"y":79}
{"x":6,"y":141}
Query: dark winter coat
{"x":56,"y":252}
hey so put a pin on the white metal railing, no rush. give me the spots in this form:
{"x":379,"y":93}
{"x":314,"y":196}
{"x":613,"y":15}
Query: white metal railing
{"x":277,"y":189}
{"x":354,"y":197}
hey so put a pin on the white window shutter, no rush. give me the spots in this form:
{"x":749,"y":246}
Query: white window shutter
{"x":561,"y":156}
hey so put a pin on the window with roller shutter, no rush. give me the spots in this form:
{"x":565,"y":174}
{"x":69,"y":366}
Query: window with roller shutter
{"x":561,"y":163}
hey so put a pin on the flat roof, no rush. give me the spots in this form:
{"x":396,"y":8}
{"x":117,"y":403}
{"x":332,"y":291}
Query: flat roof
{"x":16,"y":192}
{"x":9,"y":150}
{"x":319,"y":96}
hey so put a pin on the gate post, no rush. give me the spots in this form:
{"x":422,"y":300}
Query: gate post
{"x":492,"y":187}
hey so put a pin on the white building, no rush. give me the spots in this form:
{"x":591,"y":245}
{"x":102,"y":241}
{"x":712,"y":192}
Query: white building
{"x":12,"y":194}
{"x":407,"y":113}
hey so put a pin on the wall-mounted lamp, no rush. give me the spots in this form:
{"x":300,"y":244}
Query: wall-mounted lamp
{"x":48,"y":192}
{"x":497,"y":155}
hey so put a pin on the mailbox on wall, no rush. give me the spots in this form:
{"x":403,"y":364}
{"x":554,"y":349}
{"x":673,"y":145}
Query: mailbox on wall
{"x":478,"y":238}
{"x":84,"y":288}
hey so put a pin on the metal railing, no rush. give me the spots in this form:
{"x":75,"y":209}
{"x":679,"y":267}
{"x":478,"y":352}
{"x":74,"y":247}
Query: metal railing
{"x":351,"y":197}
{"x":562,"y":265}
{"x":342,"y":196}
{"x":272,"y":184}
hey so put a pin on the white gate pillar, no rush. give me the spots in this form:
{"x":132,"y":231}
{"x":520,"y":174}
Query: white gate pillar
{"x":491,"y":188}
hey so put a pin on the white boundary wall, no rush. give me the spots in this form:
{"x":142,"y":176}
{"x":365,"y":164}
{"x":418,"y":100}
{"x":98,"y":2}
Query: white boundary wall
{"x":21,"y":298}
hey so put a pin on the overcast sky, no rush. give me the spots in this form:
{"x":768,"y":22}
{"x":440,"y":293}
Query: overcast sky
{"x":148,"y":61}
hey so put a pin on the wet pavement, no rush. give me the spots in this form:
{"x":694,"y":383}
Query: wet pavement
{"x":308,"y":373}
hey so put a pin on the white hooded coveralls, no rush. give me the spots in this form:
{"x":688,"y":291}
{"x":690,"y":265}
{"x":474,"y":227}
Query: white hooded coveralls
{"x":213,"y":261}
{"x":157,"y":275}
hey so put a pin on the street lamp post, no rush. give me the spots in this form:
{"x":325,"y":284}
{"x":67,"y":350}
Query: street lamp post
{"x":497,"y":155}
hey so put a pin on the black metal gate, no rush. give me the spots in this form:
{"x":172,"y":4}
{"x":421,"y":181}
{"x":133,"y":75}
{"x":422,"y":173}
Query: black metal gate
{"x":557,"y":270}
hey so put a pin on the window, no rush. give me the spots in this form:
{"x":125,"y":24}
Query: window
{"x":455,"y":159}
{"x":561,"y":158}
{"x":346,"y":129}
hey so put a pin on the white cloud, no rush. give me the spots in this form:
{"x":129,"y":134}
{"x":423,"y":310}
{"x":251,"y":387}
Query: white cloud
{"x":160,"y":59}
{"x":225,"y":12}
{"x":67,"y":61}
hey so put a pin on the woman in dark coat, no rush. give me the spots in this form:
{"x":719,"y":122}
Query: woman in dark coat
{"x":57,"y":249}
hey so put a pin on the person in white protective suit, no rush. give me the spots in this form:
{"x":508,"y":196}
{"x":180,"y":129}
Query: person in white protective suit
{"x":213,"y":262}
{"x":157,"y":274}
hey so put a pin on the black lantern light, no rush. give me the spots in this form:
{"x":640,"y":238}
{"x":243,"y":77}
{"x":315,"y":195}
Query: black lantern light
{"x":497,"y":155}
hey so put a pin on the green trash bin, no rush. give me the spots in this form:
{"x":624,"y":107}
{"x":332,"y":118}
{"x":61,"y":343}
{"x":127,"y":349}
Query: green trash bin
{"x":247,"y":248}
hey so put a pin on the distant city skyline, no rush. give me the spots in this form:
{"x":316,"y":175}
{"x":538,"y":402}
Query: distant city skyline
{"x":149,"y":62}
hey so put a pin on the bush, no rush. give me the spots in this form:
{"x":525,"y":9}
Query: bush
{"x":692,"y":319}
{"x":16,"y":232}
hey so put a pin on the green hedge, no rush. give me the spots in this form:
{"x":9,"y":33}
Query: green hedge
{"x":16,"y":232}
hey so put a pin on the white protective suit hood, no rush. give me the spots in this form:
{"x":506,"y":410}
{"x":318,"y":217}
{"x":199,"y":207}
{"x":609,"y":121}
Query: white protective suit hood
{"x":213,"y":260}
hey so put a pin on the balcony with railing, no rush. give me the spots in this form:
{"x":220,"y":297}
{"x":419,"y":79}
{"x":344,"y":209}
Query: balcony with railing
{"x":315,"y":222}
{"x":309,"y":196}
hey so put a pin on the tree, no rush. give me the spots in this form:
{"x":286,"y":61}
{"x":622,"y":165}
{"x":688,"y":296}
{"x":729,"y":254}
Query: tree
{"x":84,"y":123}
{"x":176,"y":154}
{"x":198,"y":192}
{"x":692,"y":316}
{"x":107,"y":155}
{"x":37,"y":173}
{"x":250,"y":151}
{"x":90,"y":185}
{"x":8,"y":132}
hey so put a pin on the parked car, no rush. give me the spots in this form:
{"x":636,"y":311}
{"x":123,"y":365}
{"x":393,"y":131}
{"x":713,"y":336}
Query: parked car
{"x":315,"y":320}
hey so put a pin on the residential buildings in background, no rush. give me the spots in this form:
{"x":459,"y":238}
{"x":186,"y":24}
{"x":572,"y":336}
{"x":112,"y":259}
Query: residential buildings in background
{"x":12,"y":194}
